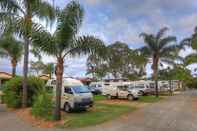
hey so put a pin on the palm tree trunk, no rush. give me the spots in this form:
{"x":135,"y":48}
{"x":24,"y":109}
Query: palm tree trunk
{"x":59,"y":76}
{"x":25,"y":72}
{"x":14,"y":63}
{"x":155,"y":74}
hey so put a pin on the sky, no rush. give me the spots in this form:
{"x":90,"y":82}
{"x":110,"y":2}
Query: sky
{"x":124,"y":20}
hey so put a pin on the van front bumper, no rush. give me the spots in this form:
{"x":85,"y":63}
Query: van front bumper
{"x":78,"y":105}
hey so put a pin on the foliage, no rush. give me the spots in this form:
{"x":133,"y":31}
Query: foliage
{"x":177,"y":73}
{"x":12,"y":48}
{"x":192,"y":83}
{"x":43,"y":105}
{"x":118,"y":60}
{"x":18,"y":16}
{"x":12,"y":91}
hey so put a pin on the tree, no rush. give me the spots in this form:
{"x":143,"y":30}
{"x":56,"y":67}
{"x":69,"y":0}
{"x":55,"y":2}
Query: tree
{"x":160,"y":49}
{"x":118,"y":60}
{"x":37,"y":66}
{"x":18,"y":15}
{"x":12,"y":48}
{"x":66,"y":42}
{"x":49,"y":68}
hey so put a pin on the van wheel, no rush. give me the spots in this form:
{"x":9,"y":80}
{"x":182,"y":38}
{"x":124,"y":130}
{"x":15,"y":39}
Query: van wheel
{"x":109,"y":97}
{"x":130,"y":97}
{"x":67,"y":107}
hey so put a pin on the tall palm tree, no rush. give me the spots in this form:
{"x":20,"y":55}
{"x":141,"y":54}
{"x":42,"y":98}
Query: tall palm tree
{"x":12,"y":48}
{"x":65,"y":42}
{"x":159,"y":48}
{"x":19,"y":15}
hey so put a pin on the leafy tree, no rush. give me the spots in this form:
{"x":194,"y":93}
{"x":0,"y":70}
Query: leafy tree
{"x":12,"y":48}
{"x":37,"y":66}
{"x":18,"y":15}
{"x":65,"y":42}
{"x":119,"y":60}
{"x":160,"y":49}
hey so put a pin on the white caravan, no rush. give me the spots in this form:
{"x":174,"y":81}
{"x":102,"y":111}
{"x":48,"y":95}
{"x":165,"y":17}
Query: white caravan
{"x":120,"y":90}
{"x":74,"y":94}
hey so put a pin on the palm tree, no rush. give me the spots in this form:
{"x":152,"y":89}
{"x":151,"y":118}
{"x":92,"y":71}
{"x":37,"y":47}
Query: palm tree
{"x":65,"y":42}
{"x":12,"y":48}
{"x":160,"y":49}
{"x":19,"y":15}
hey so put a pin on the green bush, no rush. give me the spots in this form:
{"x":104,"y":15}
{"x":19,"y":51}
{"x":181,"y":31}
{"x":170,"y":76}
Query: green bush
{"x":43,"y":105}
{"x":12,"y":91}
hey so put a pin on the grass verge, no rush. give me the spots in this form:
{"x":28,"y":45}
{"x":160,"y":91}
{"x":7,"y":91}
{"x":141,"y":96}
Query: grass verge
{"x":97,"y":115}
{"x":99,"y":98}
{"x":149,"y":99}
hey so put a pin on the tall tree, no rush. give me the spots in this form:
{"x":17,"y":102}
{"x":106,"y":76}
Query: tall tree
{"x":19,"y":15}
{"x":66,"y":42}
{"x":160,"y":49}
{"x":12,"y":48}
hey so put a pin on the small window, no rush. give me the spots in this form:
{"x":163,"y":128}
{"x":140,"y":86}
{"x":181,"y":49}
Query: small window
{"x":68,"y":90}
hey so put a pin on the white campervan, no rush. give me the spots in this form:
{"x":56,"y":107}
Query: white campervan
{"x":120,"y":90}
{"x":74,"y":94}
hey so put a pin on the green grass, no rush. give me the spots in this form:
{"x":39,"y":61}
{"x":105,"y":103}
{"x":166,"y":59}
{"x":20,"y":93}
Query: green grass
{"x":99,"y":98}
{"x":149,"y":99}
{"x":99,"y":114}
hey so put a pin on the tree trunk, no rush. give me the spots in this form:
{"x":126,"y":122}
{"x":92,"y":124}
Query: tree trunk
{"x":155,"y":74}
{"x":25,"y":72}
{"x":14,"y":63}
{"x":59,"y":76}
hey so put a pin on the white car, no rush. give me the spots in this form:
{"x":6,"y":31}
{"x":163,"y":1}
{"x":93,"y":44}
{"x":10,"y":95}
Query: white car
{"x":74,"y":94}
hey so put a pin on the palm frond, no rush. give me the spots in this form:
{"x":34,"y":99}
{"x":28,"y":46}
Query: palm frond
{"x":45,"y":11}
{"x":166,"y":41}
{"x":68,"y":23}
{"x":161,"y":33}
{"x":87,"y":45}
{"x":150,"y":41}
{"x":192,"y":58}
{"x":11,"y":6}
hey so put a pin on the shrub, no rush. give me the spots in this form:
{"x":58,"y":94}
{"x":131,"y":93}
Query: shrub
{"x":43,"y":105}
{"x":12,"y":91}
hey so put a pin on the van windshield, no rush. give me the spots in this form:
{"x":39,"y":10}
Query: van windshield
{"x":80,"y":89}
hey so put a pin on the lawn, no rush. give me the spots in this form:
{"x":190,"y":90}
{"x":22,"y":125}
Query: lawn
{"x":149,"y":99}
{"x":97,"y":115}
{"x":99,"y":97}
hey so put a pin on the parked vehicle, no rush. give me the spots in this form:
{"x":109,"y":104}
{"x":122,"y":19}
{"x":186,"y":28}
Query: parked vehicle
{"x":96,"y":88}
{"x":142,"y":86}
{"x":74,"y":94}
{"x":120,"y":90}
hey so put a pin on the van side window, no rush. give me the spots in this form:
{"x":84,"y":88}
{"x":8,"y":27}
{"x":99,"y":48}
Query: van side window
{"x":68,"y":90}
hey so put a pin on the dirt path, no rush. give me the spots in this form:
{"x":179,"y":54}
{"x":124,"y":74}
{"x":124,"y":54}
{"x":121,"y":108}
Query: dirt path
{"x":179,"y":113}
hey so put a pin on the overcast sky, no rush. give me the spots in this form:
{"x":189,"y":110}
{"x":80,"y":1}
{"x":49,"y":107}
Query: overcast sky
{"x":124,"y":20}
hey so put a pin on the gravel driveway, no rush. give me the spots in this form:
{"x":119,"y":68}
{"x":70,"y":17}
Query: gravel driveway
{"x":174,"y":114}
